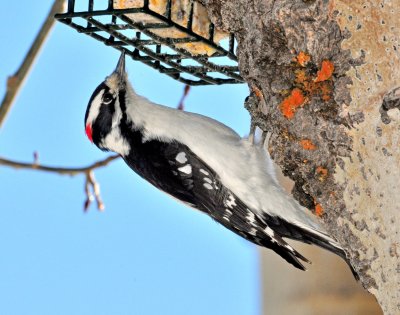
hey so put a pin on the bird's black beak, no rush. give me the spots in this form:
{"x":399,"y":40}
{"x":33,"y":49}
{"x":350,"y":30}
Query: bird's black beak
{"x":120,"y":69}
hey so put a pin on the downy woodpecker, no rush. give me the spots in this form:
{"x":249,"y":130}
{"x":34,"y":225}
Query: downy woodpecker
{"x":204,"y":164}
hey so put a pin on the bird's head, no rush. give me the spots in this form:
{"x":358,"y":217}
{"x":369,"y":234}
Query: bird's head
{"x":106,"y":107}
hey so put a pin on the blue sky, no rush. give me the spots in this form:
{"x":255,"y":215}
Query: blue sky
{"x":146,"y":254}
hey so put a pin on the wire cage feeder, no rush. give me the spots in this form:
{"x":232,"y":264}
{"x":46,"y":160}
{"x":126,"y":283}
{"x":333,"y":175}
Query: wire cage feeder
{"x":174,"y":48}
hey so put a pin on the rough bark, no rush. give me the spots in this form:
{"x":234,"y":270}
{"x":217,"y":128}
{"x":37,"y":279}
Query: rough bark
{"x":324,"y":76}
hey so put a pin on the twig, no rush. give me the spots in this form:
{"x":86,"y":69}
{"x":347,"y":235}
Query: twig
{"x":92,"y":188}
{"x":59,"y":170}
{"x":181,"y":105}
{"x":91,"y":183}
{"x":15,"y":81}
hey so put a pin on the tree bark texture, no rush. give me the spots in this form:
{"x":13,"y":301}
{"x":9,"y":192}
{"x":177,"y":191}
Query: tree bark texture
{"x":325,"y":82}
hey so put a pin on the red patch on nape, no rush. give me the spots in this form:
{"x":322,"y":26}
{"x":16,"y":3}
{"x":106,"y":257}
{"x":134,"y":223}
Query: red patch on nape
{"x":89,"y":132}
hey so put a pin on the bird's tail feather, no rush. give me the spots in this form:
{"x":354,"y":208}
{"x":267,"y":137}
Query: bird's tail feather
{"x":287,"y":252}
{"x":306,"y":234}
{"x":311,"y":236}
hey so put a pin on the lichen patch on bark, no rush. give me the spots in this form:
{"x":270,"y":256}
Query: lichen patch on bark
{"x":307,"y":144}
{"x":325,"y":72}
{"x":292,"y":102}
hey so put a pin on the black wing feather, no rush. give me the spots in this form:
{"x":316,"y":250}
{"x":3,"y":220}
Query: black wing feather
{"x":176,"y":170}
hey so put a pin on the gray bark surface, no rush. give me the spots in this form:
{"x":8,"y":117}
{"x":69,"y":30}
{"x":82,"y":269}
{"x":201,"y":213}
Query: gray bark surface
{"x":324,"y":77}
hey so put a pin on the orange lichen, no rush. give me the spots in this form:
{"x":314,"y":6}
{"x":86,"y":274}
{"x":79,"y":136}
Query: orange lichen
{"x":311,"y":87}
{"x":325,"y":72}
{"x":307,"y":144}
{"x":257,"y":92}
{"x":323,"y":173}
{"x":319,"y":211}
{"x":306,"y":85}
{"x":326,"y":91}
{"x":303,"y":58}
{"x":322,"y":170}
{"x":301,"y":77}
{"x":290,"y":104}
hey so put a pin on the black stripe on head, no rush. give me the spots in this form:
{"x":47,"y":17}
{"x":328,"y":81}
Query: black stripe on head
{"x":126,"y":127}
{"x":122,"y":103}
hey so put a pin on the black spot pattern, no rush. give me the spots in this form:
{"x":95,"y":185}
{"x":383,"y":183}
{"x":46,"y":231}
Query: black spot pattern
{"x":157,"y":162}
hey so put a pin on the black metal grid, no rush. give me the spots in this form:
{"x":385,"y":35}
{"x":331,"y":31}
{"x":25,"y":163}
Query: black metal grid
{"x":113,"y":28}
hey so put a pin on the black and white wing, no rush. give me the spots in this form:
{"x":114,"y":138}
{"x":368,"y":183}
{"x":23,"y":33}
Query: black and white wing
{"x":176,"y":170}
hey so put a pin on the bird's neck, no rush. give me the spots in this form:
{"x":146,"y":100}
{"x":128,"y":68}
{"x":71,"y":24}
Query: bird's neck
{"x":154,"y":121}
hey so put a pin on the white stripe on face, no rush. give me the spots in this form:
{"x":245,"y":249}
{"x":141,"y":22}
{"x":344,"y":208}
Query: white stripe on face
{"x":114,"y":140}
{"x":95,"y":108}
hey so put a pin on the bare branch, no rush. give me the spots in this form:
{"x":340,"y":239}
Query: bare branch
{"x":181,"y":105}
{"x":92,"y":187}
{"x":89,"y":196}
{"x":59,"y":170}
{"x":15,"y":81}
{"x":91,"y":182}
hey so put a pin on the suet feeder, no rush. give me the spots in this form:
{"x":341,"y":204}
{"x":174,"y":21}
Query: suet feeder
{"x":173,"y":36}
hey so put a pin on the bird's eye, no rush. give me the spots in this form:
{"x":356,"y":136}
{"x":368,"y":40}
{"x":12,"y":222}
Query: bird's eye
{"x":107,"y":98}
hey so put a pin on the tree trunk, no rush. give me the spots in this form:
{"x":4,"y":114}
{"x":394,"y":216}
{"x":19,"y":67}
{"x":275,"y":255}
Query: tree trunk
{"x":327,"y":288}
{"x":324,"y":76}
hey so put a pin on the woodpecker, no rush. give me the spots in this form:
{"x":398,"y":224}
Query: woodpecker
{"x":204,"y":164}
